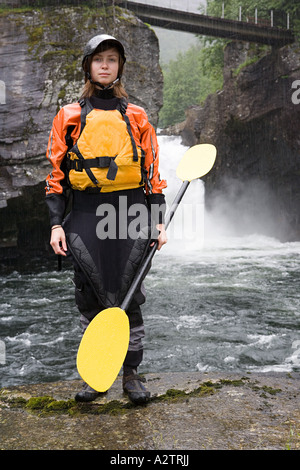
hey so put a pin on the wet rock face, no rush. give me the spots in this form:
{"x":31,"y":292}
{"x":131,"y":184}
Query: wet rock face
{"x":254,"y":123}
{"x":41,"y":53}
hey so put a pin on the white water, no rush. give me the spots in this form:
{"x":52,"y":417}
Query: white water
{"x":215,"y":301}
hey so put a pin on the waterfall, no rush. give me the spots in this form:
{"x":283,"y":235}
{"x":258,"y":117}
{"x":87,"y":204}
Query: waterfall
{"x":186,"y":231}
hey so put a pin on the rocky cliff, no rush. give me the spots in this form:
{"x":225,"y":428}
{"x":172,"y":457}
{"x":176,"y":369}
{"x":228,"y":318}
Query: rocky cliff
{"x":254,"y":123}
{"x":41,"y":53}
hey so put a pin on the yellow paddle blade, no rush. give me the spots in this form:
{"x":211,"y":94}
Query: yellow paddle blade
{"x":196,"y":162}
{"x":103,"y":348}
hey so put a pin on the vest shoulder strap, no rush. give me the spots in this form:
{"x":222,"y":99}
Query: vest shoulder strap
{"x":86,"y":108}
{"x":122,"y":106}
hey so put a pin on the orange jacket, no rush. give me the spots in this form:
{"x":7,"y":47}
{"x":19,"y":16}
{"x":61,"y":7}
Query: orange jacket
{"x":142,"y":131}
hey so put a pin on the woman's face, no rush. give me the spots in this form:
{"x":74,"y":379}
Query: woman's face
{"x":105,"y":66}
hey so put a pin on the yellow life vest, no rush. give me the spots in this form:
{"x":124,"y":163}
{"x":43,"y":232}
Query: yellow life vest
{"x":105,"y":155}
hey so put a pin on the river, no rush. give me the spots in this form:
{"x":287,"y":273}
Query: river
{"x":215,"y":302}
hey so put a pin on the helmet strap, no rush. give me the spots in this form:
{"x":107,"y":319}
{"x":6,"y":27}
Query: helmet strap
{"x":107,"y":87}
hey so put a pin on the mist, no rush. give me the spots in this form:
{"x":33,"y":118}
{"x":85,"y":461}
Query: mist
{"x":244,"y":208}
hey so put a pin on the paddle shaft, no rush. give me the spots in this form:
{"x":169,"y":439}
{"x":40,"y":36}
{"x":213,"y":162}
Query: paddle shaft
{"x":143,"y":268}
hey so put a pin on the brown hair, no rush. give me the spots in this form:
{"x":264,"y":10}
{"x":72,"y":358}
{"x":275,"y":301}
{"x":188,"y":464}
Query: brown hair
{"x":90,"y":88}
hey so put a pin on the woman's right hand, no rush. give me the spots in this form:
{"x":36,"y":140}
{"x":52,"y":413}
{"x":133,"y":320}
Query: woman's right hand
{"x":58,"y":240}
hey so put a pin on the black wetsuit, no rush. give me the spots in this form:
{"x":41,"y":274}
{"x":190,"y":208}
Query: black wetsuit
{"x":104,"y":267}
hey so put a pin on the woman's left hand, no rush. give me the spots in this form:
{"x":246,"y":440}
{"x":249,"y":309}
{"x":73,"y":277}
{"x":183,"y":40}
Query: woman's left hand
{"x":162,"y":237}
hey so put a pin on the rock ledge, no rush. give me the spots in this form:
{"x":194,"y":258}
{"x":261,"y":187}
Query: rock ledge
{"x":188,"y":411}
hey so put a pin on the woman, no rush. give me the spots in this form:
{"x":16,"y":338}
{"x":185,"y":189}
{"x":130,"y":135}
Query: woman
{"x":105,"y":153}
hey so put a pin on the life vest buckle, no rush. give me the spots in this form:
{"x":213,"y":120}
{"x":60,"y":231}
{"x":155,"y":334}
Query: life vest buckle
{"x":78,"y":165}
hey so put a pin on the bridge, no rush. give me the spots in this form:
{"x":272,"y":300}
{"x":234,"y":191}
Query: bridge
{"x":209,"y":26}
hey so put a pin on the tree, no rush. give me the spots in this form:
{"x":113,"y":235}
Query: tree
{"x":189,"y":79}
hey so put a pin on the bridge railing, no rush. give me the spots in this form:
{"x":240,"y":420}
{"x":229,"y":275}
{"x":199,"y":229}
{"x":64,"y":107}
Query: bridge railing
{"x":259,"y":16}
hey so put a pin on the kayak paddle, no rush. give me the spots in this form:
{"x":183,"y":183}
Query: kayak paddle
{"x":104,"y":345}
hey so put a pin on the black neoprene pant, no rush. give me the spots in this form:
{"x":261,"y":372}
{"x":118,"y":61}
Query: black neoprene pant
{"x":89,"y":306}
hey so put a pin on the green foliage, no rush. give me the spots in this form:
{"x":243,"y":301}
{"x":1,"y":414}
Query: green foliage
{"x":195,"y":74}
{"x":189,"y":79}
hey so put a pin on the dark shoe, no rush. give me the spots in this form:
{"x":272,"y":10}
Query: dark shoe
{"x":87,"y":394}
{"x":133,"y":387}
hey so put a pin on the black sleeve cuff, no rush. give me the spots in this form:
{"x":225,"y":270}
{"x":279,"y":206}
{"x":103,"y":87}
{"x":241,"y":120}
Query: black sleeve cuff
{"x":157,"y":206}
{"x":57,"y":205}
